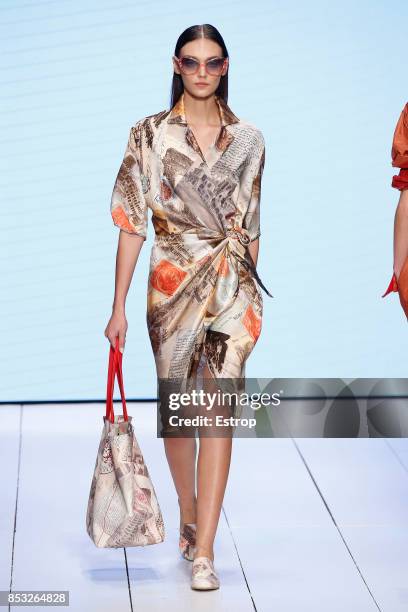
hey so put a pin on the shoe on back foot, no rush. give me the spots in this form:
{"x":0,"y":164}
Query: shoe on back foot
{"x":187,"y":540}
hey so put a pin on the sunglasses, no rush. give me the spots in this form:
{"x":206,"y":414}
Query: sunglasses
{"x":189,"y":65}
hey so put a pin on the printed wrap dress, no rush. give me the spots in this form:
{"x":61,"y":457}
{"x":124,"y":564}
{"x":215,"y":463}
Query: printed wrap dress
{"x":399,"y":157}
{"x":204,"y":300}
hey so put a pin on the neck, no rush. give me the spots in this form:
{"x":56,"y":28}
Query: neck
{"x":201,"y":111}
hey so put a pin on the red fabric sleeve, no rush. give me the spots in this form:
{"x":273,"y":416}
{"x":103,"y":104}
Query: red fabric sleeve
{"x":400,"y":181}
{"x":399,"y":151}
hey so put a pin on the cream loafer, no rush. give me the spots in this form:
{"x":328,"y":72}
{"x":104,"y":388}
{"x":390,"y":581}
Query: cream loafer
{"x":203,"y":575}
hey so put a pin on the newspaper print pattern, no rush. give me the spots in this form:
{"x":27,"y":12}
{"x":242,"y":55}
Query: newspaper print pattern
{"x":122,"y":506}
{"x":202,"y":304}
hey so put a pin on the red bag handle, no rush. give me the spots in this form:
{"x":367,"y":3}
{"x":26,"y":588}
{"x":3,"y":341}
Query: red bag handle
{"x":115,"y":367}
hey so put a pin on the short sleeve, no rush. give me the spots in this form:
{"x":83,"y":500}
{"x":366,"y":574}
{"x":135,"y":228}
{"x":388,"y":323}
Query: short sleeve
{"x":399,"y":151}
{"x":128,"y":203}
{"x":252,"y":219}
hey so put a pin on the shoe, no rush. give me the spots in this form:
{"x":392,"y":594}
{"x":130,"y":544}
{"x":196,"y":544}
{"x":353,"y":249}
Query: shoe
{"x":203,"y":576}
{"x":187,"y":541}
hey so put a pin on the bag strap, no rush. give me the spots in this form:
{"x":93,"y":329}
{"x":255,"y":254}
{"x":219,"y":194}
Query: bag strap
{"x":115,"y":368}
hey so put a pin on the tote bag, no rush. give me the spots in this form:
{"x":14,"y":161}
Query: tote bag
{"x":123,"y":509}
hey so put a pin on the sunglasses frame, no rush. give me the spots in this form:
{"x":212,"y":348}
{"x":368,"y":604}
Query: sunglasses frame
{"x":199,"y":64}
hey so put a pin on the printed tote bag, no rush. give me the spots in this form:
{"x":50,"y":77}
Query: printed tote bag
{"x":123,"y":509}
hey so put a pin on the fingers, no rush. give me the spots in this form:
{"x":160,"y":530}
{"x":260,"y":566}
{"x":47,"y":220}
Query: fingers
{"x":116,"y":334}
{"x":112,"y":339}
{"x":122,"y":340}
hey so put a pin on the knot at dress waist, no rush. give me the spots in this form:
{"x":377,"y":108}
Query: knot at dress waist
{"x":238,"y":240}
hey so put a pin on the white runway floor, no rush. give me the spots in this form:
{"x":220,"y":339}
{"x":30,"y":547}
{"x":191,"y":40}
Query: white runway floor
{"x":307,"y":525}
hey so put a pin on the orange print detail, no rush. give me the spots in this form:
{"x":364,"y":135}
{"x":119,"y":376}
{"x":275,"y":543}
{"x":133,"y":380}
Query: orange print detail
{"x":252,"y":322}
{"x":166,"y":277}
{"x":223,"y":268}
{"x":224,"y":140}
{"x":120,"y":218}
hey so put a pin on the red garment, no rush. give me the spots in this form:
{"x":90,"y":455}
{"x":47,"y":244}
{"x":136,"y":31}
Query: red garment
{"x":399,"y":155}
{"x":400,"y":181}
{"x":399,"y":151}
{"x":393,"y":286}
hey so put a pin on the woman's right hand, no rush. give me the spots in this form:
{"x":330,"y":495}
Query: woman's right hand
{"x":117,"y":326}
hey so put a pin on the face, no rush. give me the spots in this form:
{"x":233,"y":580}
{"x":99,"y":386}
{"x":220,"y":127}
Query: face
{"x":202,"y":50}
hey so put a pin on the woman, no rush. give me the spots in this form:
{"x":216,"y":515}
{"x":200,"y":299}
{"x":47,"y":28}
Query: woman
{"x":399,"y":154}
{"x":198,"y":167}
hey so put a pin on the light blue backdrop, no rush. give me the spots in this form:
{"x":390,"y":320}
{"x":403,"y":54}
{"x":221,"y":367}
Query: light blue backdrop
{"x":324,"y":82}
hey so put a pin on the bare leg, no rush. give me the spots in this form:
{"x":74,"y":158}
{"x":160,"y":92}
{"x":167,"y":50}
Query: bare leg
{"x":181,"y":456}
{"x":214,"y":460}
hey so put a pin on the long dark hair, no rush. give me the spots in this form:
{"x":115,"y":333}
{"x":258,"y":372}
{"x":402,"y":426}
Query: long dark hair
{"x":193,"y":33}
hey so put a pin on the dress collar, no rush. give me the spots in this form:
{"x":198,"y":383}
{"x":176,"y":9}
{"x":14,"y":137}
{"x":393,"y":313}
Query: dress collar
{"x":177,"y":113}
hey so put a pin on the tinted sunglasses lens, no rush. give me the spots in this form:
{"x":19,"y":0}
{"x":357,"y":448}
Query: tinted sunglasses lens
{"x":215,"y":66}
{"x":188,"y":65}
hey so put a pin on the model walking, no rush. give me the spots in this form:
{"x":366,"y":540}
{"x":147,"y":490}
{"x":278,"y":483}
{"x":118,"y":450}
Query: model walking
{"x":399,"y":154}
{"x":198,"y":167}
